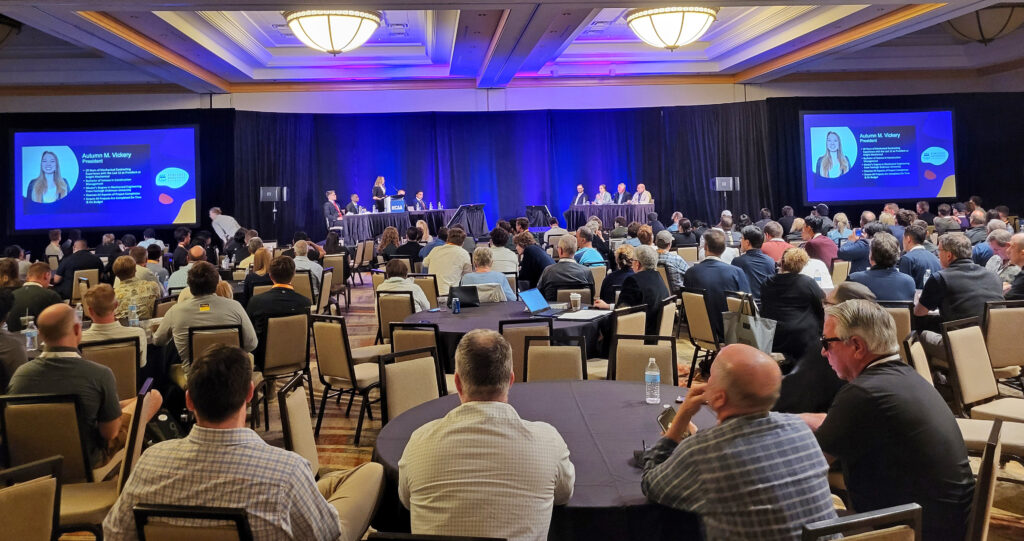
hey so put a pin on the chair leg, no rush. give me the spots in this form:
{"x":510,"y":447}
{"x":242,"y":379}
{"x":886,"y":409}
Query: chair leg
{"x":320,"y":414}
{"x":351,"y":397}
{"x":266,"y":404}
{"x":359,"y":424}
{"x":312,"y":399}
{"x":693,"y":367}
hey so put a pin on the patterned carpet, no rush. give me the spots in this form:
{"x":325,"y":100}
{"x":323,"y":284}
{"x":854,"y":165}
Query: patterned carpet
{"x":337,"y":434}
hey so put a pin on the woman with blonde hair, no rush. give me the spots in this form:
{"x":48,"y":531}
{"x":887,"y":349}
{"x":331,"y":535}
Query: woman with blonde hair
{"x":260,"y":275}
{"x":794,"y":300}
{"x":49,"y":186}
{"x":425,"y":237}
{"x":833,"y":163}
{"x":389,"y":241}
{"x":796,"y":231}
{"x":840,"y":227}
{"x":887,"y":219}
{"x":379,"y":192}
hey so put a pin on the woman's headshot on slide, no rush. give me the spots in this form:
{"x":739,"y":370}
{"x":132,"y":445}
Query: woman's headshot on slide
{"x":833,"y":163}
{"x":49,"y":186}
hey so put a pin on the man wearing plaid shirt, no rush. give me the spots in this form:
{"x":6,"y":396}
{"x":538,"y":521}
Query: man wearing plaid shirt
{"x":755,"y":475}
{"x":223,"y":464}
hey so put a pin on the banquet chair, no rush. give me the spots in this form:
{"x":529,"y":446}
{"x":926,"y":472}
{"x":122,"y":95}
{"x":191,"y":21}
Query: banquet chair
{"x":53,"y":261}
{"x":668,"y":324}
{"x":30,"y":498}
{"x":286,"y":351}
{"x":201,"y":338}
{"x":22,"y":416}
{"x":406,"y":336}
{"x":1003,"y":320}
{"x":705,"y":341}
{"x":663,"y":272}
{"x":985,"y":488}
{"x":689,"y":254}
{"x":377,"y":277}
{"x":391,"y":536}
{"x":897,"y":523}
{"x":357,"y":264}
{"x":625,"y":320}
{"x":902,"y":313}
{"x":599,"y":272}
{"x":162,"y":305}
{"x":338,"y":285}
{"x":162,"y":530}
{"x":392,"y":307}
{"x":239,"y":274}
{"x":974,"y":385}
{"x":259,"y":290}
{"x":83,"y":280}
{"x":404,"y":259}
{"x":840,"y":271}
{"x":513,"y":282}
{"x":428,"y":283}
{"x":405,"y":385}
{"x":122,"y":356}
{"x":338,"y":371}
{"x":515,"y":332}
{"x":741,"y":302}
{"x":586,"y":295}
{"x":323,"y":300}
{"x":298,"y":431}
{"x":553,"y":362}
{"x":303,"y":284}
{"x":632,"y":352}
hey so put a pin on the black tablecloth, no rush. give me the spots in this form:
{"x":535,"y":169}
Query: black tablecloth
{"x":434,"y":218}
{"x":602,"y":422}
{"x":360,"y":227}
{"x":577,"y":214}
{"x":487,"y":316}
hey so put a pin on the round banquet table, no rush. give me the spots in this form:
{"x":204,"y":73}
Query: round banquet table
{"x":577,"y":215}
{"x":602,"y":422}
{"x":487,"y":315}
{"x":368,"y":226}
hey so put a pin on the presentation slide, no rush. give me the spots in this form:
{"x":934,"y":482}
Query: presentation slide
{"x":878,"y":156}
{"x":123,"y":178}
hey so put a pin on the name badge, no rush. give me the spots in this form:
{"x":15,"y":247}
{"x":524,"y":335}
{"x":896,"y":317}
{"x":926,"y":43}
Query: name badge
{"x":204,"y":307}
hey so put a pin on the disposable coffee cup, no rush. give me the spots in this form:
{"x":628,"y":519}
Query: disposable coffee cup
{"x":574,"y":301}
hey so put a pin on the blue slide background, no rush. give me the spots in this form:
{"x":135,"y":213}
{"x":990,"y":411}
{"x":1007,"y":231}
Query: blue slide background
{"x":153,"y":150}
{"x":919,"y":131}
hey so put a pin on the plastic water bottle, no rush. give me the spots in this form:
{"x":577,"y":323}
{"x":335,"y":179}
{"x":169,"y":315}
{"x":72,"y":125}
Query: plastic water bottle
{"x":652,"y":380}
{"x":79,"y":311}
{"x":456,"y":306}
{"x":133,"y":316}
{"x":431,"y":205}
{"x":440,"y":205}
{"x":31,"y":335}
{"x":927,"y":276}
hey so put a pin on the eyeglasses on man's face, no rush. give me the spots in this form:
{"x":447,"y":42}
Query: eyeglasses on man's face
{"x":826,"y":341}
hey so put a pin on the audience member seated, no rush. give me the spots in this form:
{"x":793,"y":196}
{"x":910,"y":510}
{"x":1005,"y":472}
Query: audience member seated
{"x":260,"y":275}
{"x":840,"y":228}
{"x":945,"y":221}
{"x":624,"y":256}
{"x":960,"y":290}
{"x":755,"y":264}
{"x":183,"y":240}
{"x":904,"y":219}
{"x":586,"y":255}
{"x":9,"y":274}
{"x":155,"y":265}
{"x":978,"y":230}
{"x":818,"y":246}
{"x":149,"y":239}
{"x":858,"y":250}
{"x":178,"y":280}
{"x":281,"y":300}
{"x":449,"y":262}
{"x":598,"y":241}
{"x":1000,"y":263}
{"x":655,"y":223}
{"x":142,"y":271}
{"x":645,"y":236}
{"x":60,"y":369}
{"x":534,"y":260}
{"x":100,"y":305}
{"x":673,"y":225}
{"x":566,"y":273}
{"x":389,"y":241}
{"x":731,"y":238}
{"x":425,"y":235}
{"x":397,"y":279}
{"x":131,"y":291}
{"x":483,"y":259}
{"x":917,"y":260}
{"x":221,"y":463}
{"x":203,"y":309}
{"x":1015,"y":253}
{"x":510,"y":473}
{"x":439,"y":240}
{"x":643,"y":287}
{"x":468,"y":243}
{"x":774,"y":241}
{"x":80,"y":259}
{"x":883,"y":279}
{"x":619,"y":231}
{"x":12,"y":346}
{"x":796,"y":231}
{"x":108,"y":247}
{"x":891,"y":430}
{"x":554,"y":230}
{"x":794,"y":301}
{"x":675,"y":266}
{"x":236,"y":249}
{"x":411,"y":248}
{"x":631,"y":234}
{"x":733,"y":474}
{"x":18,"y":255}
{"x":33,"y":296}
{"x":982,"y":252}
{"x":54,"y":247}
{"x":922,"y":208}
{"x":504,"y":260}
{"x":303,"y":262}
{"x":715,"y":276}
{"x":254,"y":245}
{"x":821,"y":210}
{"x":685,"y":235}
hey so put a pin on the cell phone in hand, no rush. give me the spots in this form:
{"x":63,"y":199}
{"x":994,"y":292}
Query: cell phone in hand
{"x":858,"y":231}
{"x":668,"y":413}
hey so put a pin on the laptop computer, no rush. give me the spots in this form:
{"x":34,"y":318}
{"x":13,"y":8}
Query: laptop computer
{"x":468,"y":296}
{"x":537,"y":305}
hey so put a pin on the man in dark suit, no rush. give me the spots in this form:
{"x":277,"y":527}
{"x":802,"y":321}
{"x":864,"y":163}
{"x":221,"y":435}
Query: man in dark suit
{"x":858,"y":251}
{"x":32,"y":297}
{"x":581,"y":196}
{"x":281,"y":300}
{"x":1016,"y":255}
{"x":534,"y":260}
{"x":917,"y":260}
{"x":412,"y":247}
{"x":716,"y":277}
{"x":566,"y":273}
{"x":353,"y":205}
{"x":644,"y":286}
{"x":656,"y":225}
{"x":418,"y":203}
{"x":621,"y":196}
{"x":80,"y":259}
{"x":786,"y":220}
{"x":755,"y":264}
{"x":183,"y":236}
{"x":923,"y":214}
{"x":818,"y":246}
{"x":332,"y":212}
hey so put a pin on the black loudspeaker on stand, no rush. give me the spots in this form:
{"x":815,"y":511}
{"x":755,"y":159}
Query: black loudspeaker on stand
{"x":273,"y":194}
{"x":724,"y":185}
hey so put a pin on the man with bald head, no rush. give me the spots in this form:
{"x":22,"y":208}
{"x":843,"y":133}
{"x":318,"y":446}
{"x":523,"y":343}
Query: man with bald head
{"x":1015,"y":253}
{"x":892,"y":432}
{"x":80,"y":259}
{"x":179,"y":278}
{"x":60,"y":369}
{"x":756,"y":474}
{"x":642,"y":196}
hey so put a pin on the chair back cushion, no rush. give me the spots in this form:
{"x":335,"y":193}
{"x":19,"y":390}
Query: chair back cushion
{"x":634,"y":323}
{"x":516,"y":335}
{"x":204,"y":339}
{"x":840,"y":272}
{"x":160,"y":531}
{"x":121,"y":359}
{"x":698,"y":321}
{"x":28,"y":509}
{"x":429,"y":286}
{"x":970,"y":360}
{"x":632,"y":356}
{"x":259,"y":290}
{"x":599,"y":272}
{"x":163,"y":307}
{"x":490,"y":293}
{"x":285,"y":341}
{"x":303,"y":284}
{"x":901,"y":532}
{"x":28,"y":443}
{"x":668,"y":320}
{"x":300,"y":428}
{"x":337,"y":262}
{"x":689,"y":254}
{"x":330,"y":350}
{"x":326,"y":280}
{"x":406,"y":339}
{"x":410,"y":384}
{"x":548,"y":363}
{"x":919,"y":360}
{"x":393,"y":308}
{"x":377,"y":278}
{"x":902,"y":317}
{"x":1001,"y":330}
{"x":585,"y":296}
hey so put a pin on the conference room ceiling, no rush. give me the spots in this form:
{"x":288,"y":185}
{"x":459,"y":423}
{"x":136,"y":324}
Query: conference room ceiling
{"x":221,"y":46}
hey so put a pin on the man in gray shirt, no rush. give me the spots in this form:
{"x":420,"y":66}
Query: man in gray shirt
{"x":203,"y":309}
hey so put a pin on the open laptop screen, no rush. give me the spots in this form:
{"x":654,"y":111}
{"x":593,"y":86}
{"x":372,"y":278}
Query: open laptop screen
{"x":535,"y":301}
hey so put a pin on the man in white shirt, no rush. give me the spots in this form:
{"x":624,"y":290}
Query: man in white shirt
{"x":602,"y":197}
{"x":553,"y":230}
{"x":510,"y":473}
{"x":223,"y":225}
{"x":449,"y":262}
{"x":642,"y":196}
{"x":302,"y":262}
{"x":504,"y":260}
{"x":179,"y":278}
{"x":398,"y":280}
{"x":54,"y":247}
{"x":149,"y":238}
{"x":100,"y":304}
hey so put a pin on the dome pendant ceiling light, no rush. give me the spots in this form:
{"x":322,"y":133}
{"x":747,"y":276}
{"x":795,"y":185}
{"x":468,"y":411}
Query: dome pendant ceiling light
{"x":987,"y":24}
{"x":333,"y":30}
{"x":669,"y":28}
